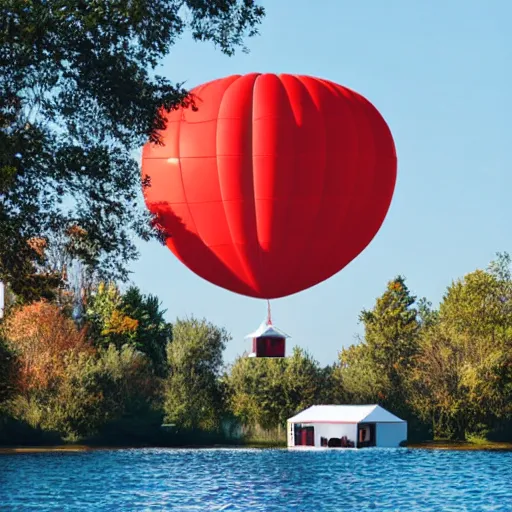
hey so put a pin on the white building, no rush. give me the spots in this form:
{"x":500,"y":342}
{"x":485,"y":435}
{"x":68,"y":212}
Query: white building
{"x":351,"y":426}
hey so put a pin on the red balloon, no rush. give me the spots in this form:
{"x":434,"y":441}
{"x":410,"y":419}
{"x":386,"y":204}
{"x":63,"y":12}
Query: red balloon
{"x":274,"y":184}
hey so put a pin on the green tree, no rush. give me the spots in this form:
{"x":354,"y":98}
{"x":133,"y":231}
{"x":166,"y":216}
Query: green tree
{"x":391,"y":338}
{"x":130,"y":318}
{"x":391,"y":327}
{"x":153,"y":332}
{"x":192,"y":396}
{"x":438,"y":392}
{"x":256,"y":392}
{"x":93,"y":391}
{"x":79,"y":93}
{"x":266,"y":392}
{"x":356,"y":377}
{"x":305,"y":382}
{"x":463,"y":377}
{"x":8,"y":368}
{"x":108,"y":325}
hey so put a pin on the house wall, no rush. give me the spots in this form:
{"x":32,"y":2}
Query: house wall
{"x":326,"y":430}
{"x":290,"y":434}
{"x":338,"y":430}
{"x":390,"y":435}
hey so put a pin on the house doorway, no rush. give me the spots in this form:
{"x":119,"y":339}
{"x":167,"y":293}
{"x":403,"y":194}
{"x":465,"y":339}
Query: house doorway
{"x":304,"y":436}
{"x":366,"y":435}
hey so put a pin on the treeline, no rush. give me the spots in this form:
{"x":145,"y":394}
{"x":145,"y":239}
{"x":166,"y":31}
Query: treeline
{"x":448,"y":371}
{"x":116,"y":371}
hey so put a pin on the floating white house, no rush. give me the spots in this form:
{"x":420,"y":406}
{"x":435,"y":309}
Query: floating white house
{"x":346,"y":426}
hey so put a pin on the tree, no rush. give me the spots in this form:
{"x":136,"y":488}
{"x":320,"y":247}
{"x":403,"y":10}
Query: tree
{"x":8,"y":367}
{"x":108,"y":325}
{"x":266,"y":392}
{"x":356,"y":377}
{"x":255,"y":391}
{"x":192,"y":396}
{"x":391,"y":338}
{"x":438,"y":391}
{"x":93,"y":391}
{"x":130,"y":319}
{"x":305,"y":382}
{"x":41,"y":337}
{"x":463,"y":376}
{"x":78,"y":93}
{"x":153,"y":333}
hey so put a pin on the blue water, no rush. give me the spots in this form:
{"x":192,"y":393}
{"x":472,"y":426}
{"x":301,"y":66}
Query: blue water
{"x":257,"y":480}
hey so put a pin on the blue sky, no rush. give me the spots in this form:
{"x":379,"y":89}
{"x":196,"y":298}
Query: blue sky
{"x":440,"y":73}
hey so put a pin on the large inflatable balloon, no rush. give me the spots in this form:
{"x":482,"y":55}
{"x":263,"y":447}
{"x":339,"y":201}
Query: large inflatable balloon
{"x":274,"y":184}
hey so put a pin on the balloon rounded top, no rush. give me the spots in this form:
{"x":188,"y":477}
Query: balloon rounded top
{"x":273,"y":184}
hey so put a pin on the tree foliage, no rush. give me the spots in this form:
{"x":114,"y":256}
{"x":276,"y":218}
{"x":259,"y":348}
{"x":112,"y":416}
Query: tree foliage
{"x":153,"y":333}
{"x":59,"y":382}
{"x":266,"y":392}
{"x":376,"y":370}
{"x":193,"y":397}
{"x":447,"y":371}
{"x":93,"y":390}
{"x":79,"y":93}
{"x":41,"y":337}
{"x":463,"y":373}
{"x":8,"y":372}
{"x":129,"y":318}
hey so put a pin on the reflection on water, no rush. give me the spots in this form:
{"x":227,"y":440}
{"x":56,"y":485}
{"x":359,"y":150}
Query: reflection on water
{"x":257,"y":480}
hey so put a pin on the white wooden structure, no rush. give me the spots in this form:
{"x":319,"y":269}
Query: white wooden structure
{"x":350,"y":426}
{"x":268,"y":341}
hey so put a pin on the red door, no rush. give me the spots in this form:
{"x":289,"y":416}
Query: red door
{"x":307,"y":436}
{"x":304,"y":436}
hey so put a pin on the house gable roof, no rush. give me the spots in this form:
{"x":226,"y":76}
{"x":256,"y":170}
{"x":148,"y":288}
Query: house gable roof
{"x":268,"y":330}
{"x":345,"y":414}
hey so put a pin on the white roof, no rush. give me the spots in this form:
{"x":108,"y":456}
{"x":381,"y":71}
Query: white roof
{"x":268,"y":330}
{"x":345,"y":414}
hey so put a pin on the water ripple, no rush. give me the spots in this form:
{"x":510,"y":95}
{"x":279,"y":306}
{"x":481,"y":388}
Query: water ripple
{"x":257,"y":480}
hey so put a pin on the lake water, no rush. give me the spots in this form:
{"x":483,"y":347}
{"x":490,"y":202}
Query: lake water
{"x":257,"y":480}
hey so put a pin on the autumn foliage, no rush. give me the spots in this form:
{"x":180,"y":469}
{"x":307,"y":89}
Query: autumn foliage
{"x":42,"y":337}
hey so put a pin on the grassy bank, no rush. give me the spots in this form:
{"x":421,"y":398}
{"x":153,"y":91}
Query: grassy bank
{"x":262,"y":444}
{"x":463,"y":445}
{"x":86,"y":448}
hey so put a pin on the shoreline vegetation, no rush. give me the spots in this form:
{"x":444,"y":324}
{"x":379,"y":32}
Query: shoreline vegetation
{"x":80,"y":448}
{"x":105,"y":368}
{"x":87,"y":360}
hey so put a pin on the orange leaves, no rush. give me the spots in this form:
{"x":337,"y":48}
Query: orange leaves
{"x":76,"y":231}
{"x":38,"y":245}
{"x":396,"y":285}
{"x":42,"y":337}
{"x":119,"y":323}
